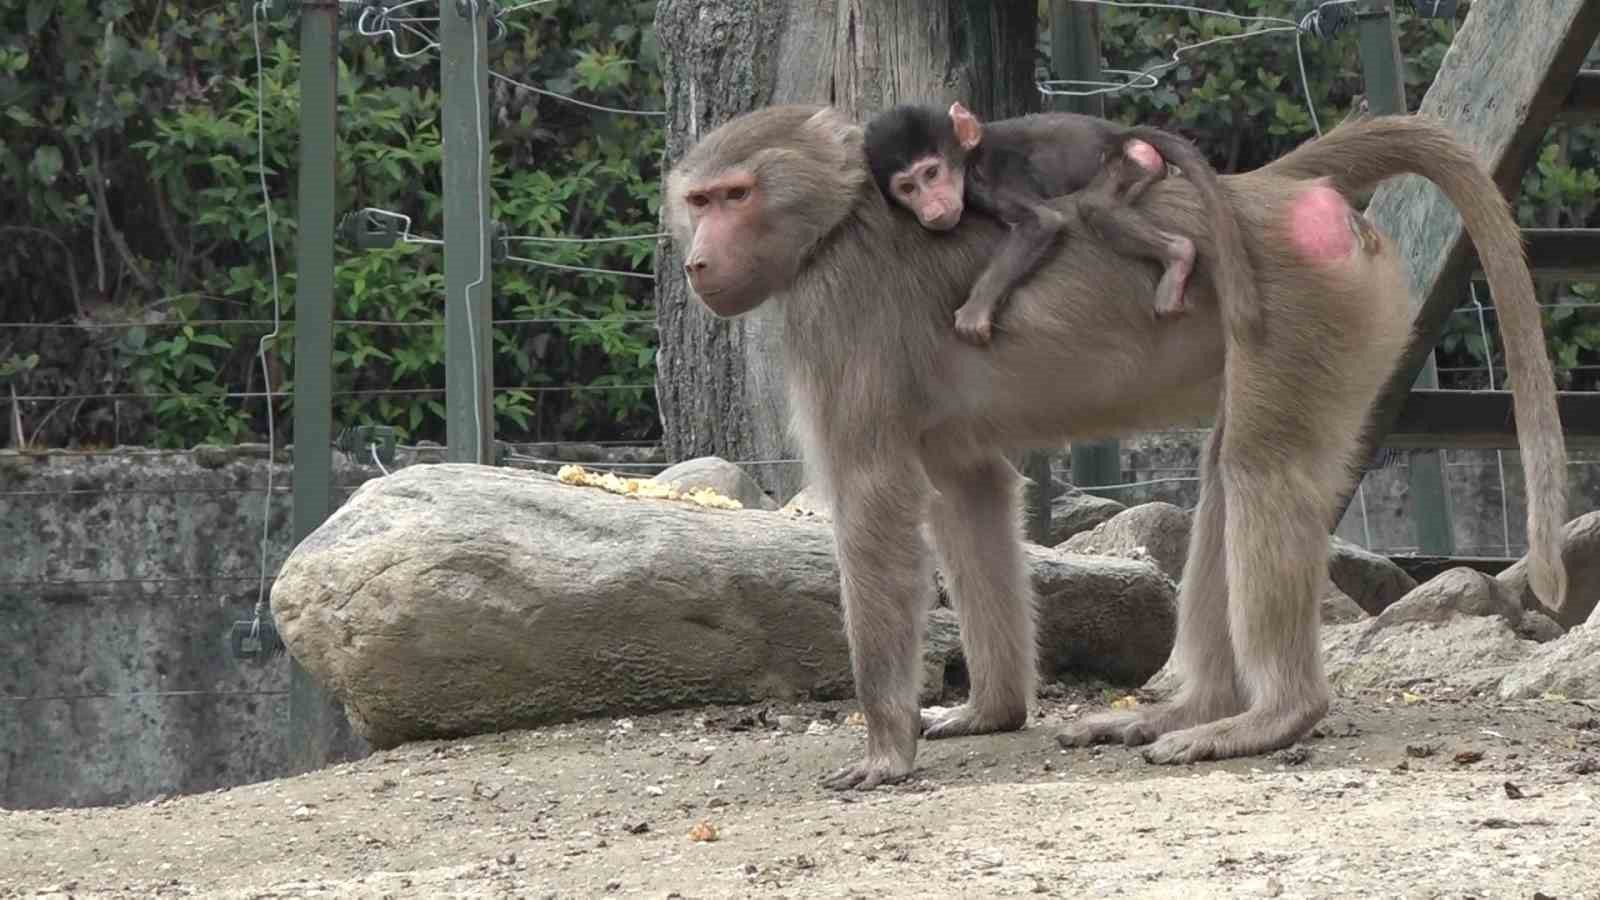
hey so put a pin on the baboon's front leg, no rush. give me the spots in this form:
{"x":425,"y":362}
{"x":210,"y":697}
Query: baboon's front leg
{"x":976,"y":533}
{"x":886,"y":582}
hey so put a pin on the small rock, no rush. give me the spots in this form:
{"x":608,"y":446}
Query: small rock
{"x":1420,"y":751}
{"x":1468,"y":757}
{"x":1075,"y":512}
{"x":1513,"y":792}
{"x":1274,"y":887}
{"x":719,"y":475}
{"x":1161,"y":530}
{"x":1536,"y":626}
{"x":1293,"y":756}
{"x":703,"y":832}
{"x":1580,"y":550}
{"x":636,"y":827}
{"x":1338,"y":608}
{"x":506,"y":859}
{"x":1461,"y":591}
{"x":791,"y":724}
{"x":1585,"y":765}
{"x":654,"y":790}
{"x":302,"y":813}
{"x":613,"y":886}
{"x":817,"y":729}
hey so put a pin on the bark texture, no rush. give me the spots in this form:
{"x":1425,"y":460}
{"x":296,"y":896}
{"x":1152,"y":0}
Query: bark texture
{"x":720,"y":384}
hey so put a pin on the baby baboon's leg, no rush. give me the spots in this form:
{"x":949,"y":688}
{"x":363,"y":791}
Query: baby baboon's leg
{"x":886,"y":580}
{"x":1034,"y":229}
{"x":1202,"y":656}
{"x":1106,"y":207}
{"x":976,"y":526}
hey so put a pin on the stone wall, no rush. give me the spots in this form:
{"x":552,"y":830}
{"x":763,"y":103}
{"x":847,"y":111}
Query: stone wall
{"x":121,"y":573}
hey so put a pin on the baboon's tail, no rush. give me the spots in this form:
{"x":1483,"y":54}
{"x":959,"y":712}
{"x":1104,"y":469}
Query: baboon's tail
{"x":1358,"y":155}
{"x":1232,"y":273}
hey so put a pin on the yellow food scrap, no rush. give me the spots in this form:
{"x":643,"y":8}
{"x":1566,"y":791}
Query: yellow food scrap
{"x":647,"y":488}
{"x":1128,"y":702}
{"x":1409,"y":698}
{"x":856,"y":719}
{"x":703,"y":832}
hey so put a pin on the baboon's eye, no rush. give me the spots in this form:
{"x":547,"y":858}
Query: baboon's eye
{"x":907,"y":187}
{"x":738,"y":193}
{"x":698,"y":199}
{"x":932,"y":173}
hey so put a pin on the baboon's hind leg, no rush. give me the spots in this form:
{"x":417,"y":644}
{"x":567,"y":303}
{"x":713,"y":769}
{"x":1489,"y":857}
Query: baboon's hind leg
{"x":1202,"y":656}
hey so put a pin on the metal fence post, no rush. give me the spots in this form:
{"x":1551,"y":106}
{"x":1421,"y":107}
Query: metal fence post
{"x":469,"y":368}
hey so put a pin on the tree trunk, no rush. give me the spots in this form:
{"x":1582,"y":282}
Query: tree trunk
{"x":719,"y":383}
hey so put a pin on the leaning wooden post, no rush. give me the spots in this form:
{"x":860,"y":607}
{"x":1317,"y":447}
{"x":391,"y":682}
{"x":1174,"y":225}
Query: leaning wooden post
{"x":1384,"y":73}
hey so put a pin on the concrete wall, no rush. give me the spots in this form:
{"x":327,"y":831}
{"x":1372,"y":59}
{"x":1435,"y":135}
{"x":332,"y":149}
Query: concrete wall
{"x":121,"y":573}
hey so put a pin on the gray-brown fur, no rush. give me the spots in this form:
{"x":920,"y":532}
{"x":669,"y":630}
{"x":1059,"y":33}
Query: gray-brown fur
{"x":1023,"y":161}
{"x":902,"y":422}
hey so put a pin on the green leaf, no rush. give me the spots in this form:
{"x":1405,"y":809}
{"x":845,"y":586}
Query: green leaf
{"x":47,"y":163}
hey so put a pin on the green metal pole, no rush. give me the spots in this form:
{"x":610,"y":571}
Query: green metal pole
{"x":314,"y":720}
{"x":469,"y":382}
{"x":1384,"y":74}
{"x":1075,"y":54}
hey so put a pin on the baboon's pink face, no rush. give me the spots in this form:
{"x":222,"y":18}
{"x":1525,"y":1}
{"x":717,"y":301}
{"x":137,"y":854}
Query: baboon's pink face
{"x":931,"y":188}
{"x":725,"y":222}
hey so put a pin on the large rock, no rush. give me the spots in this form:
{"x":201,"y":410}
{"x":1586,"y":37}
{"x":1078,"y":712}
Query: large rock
{"x":450,"y":600}
{"x":721,"y":476}
{"x":1569,"y":667}
{"x":1076,"y":511}
{"x":1372,"y":581}
{"x":1461,"y":591}
{"x":1580,"y":548}
{"x":1159,"y":530}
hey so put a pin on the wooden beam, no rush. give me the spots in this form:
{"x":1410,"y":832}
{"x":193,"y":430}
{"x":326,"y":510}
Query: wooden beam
{"x":1424,"y":568}
{"x":1583,"y":100}
{"x":1498,"y":88}
{"x":1482,"y":420}
{"x":1559,"y":254}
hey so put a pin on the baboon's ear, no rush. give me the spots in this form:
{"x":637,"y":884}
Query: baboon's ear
{"x":835,"y":126}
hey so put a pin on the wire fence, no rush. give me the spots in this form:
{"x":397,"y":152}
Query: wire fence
{"x":195,"y":553}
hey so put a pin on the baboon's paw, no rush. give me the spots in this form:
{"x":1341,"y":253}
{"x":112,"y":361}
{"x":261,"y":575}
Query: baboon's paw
{"x":1243,"y":735}
{"x":938,"y":722}
{"x":868,"y":774}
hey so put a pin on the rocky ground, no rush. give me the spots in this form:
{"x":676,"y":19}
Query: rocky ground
{"x":1398,"y":794}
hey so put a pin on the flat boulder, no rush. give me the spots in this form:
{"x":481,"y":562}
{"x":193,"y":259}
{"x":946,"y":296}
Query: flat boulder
{"x":450,"y":600}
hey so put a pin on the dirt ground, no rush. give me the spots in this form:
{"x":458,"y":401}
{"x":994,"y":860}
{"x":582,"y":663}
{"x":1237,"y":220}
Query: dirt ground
{"x":1396,"y":795}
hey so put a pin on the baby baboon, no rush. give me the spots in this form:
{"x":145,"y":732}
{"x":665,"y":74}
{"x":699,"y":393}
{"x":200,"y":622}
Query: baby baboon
{"x":936,"y":164}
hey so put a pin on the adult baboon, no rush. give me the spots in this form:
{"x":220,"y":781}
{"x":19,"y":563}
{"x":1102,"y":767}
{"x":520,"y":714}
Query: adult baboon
{"x":887,"y":402}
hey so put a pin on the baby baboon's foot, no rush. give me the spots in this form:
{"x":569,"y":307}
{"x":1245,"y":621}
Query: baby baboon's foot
{"x":1170,"y":299}
{"x":1099,"y":728}
{"x":1145,"y":156}
{"x":939,"y":722}
{"x":872,"y":771}
{"x":973,"y":324}
{"x":1246,"y":734}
